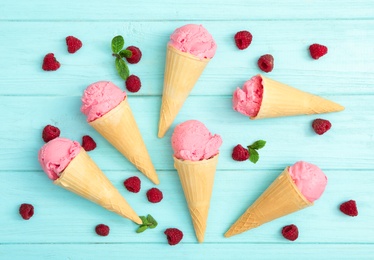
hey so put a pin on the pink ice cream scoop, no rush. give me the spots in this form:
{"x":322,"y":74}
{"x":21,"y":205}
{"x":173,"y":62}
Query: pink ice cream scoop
{"x":56,"y":155}
{"x":309,"y":179}
{"x":194,"y":39}
{"x":99,"y":98}
{"x":192,"y":141}
{"x":247,"y":101}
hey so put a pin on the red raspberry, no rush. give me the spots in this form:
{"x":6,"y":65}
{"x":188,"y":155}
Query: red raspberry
{"x":321,"y":126}
{"x":266,"y":63}
{"x":290,"y":232}
{"x":88,"y":143}
{"x":50,"y":132}
{"x":26,"y":211}
{"x":74,"y":44}
{"x":133,"y":83}
{"x":239,"y":153}
{"x":243,"y":39}
{"x":173,"y":235}
{"x":349,"y":208}
{"x":132,"y":184}
{"x":154,"y":195}
{"x":102,"y":230}
{"x":317,"y":50}
{"x":136,"y":55}
{"x":50,"y":63}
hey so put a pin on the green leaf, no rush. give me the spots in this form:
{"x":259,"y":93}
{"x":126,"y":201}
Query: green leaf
{"x":122,"y":68}
{"x":258,"y":144}
{"x":141,"y":229}
{"x":253,"y":155}
{"x":117,"y":43}
{"x":125,"y":54}
{"x":144,"y":220}
{"x":152,"y":221}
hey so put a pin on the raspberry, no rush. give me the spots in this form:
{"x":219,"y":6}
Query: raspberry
{"x":50,"y":63}
{"x":290,"y":232}
{"x":74,"y":44}
{"x":349,"y":208}
{"x":317,"y":50}
{"x":50,"y":132}
{"x":243,"y":39}
{"x":26,"y":211}
{"x":136,"y":55}
{"x":266,"y":63}
{"x":154,"y":195}
{"x":132,"y":184}
{"x":239,"y":153}
{"x":321,"y":126}
{"x":173,"y":235}
{"x":102,"y":230}
{"x":133,"y":83}
{"x":88,"y":143}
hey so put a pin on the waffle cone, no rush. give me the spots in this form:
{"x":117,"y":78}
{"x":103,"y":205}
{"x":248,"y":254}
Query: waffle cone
{"x":84,"y":178}
{"x":282,"y":100}
{"x":119,"y":128}
{"x":197,"y":178}
{"x":281,"y":198}
{"x":182,"y":70}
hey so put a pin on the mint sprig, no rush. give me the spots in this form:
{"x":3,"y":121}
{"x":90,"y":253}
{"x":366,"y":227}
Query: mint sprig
{"x":252,"y":149}
{"x":148,"y":222}
{"x":121,"y":54}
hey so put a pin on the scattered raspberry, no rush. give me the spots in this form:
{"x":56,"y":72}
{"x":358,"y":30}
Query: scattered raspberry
{"x":132,"y":184}
{"x":102,"y":230}
{"x":26,"y":211}
{"x":290,"y":232}
{"x":74,"y":44}
{"x":317,"y":50}
{"x":88,"y":143}
{"x":136,"y":55}
{"x":133,"y":83}
{"x":349,"y":208}
{"x":321,"y":126}
{"x":243,"y":39}
{"x":50,"y":132}
{"x":266,"y":63}
{"x":173,"y":235}
{"x":154,"y":195}
{"x":50,"y":63}
{"x":239,"y":153}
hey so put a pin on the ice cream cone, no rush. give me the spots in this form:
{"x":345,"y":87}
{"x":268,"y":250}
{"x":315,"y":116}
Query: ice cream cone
{"x":282,"y":100}
{"x":281,"y":198}
{"x":197,"y":178}
{"x":84,"y":178}
{"x":119,"y":128}
{"x":182,"y":70}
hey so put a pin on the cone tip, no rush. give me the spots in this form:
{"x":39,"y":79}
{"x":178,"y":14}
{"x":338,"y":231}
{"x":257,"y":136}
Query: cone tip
{"x":200,"y":237}
{"x":161,"y":132}
{"x":136,"y":219}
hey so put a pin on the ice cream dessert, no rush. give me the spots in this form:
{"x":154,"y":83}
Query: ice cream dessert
{"x":262,"y":97}
{"x":69,"y":166}
{"x":189,"y":50}
{"x":108,"y":111}
{"x":296,"y":188}
{"x":196,"y":153}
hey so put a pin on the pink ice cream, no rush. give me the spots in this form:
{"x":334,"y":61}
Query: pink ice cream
{"x":194,"y":39}
{"x":192,"y":141}
{"x":56,"y":155}
{"x":99,"y":98}
{"x":247,"y":101}
{"x":310,"y":179}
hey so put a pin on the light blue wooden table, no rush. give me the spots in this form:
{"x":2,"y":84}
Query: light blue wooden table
{"x":63,"y":224}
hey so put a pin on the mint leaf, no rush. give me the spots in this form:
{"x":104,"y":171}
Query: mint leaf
{"x":153,"y":223}
{"x":258,"y":144}
{"x":117,"y":43}
{"x":253,"y":155}
{"x":141,"y":229}
{"x":125,"y":54}
{"x":144,"y":220}
{"x":122,"y":68}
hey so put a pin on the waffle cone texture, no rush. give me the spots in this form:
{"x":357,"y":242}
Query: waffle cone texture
{"x":84,"y":178}
{"x":197,"y":179}
{"x":281,"y":198}
{"x":182,"y":70}
{"x":119,"y":128}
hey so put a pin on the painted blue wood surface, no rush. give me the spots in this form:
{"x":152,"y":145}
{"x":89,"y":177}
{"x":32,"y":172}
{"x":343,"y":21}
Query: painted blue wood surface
{"x":63,"y":224}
